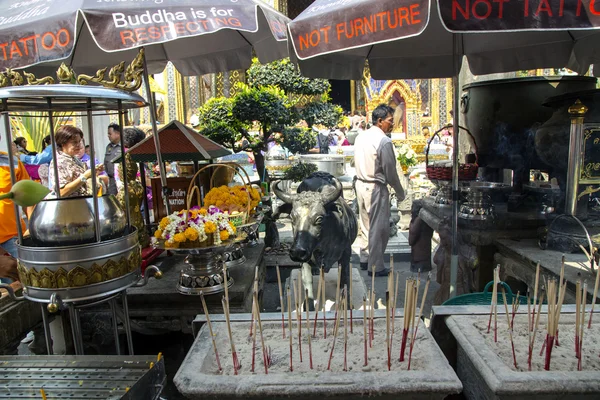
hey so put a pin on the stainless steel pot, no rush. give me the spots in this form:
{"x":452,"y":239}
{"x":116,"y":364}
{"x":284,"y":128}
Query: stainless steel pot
{"x":331,"y":163}
{"x":70,"y":221}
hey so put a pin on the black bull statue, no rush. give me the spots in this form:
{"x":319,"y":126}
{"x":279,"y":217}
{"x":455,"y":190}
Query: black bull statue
{"x":324,"y":227}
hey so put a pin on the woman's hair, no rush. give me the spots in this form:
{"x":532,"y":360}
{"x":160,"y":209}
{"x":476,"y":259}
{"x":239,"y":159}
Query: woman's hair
{"x":46,"y":142}
{"x":67,"y":133}
{"x":19,"y":141}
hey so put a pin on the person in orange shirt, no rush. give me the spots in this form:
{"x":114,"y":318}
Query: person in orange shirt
{"x":8,"y":218}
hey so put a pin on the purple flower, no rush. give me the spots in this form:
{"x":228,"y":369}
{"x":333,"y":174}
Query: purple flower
{"x":195,"y":208}
{"x":212,"y":210}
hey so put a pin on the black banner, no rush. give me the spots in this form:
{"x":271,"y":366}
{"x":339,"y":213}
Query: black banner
{"x":328,"y":26}
{"x":36,"y":31}
{"x":519,"y":15}
{"x":118,"y":25}
{"x":590,"y":171}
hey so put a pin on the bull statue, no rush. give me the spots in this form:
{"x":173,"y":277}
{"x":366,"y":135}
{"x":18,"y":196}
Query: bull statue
{"x":323,"y":224}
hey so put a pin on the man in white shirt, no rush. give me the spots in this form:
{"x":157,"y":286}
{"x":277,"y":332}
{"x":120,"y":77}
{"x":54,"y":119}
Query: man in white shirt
{"x":375,"y":169}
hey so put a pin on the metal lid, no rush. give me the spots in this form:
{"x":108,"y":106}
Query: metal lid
{"x":67,"y":98}
{"x":571,"y":97}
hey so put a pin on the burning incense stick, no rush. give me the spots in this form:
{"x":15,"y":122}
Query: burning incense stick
{"x":595,"y":293}
{"x":318,"y":302}
{"x":212,"y":335}
{"x":535,"y":291}
{"x":345,"y":307}
{"x":308,"y":329}
{"x":510,"y":331}
{"x":335,"y":332}
{"x":289,"y":307}
{"x":387,"y":328}
{"x":414,"y":338}
{"x":281,"y":300}
{"x":233,"y":352}
{"x":266,"y":361}
{"x":351,"y":298}
{"x":582,"y":324}
{"x":365,"y":328}
{"x":535,"y":327}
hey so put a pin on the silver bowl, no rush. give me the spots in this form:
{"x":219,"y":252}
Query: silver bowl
{"x":70,"y":221}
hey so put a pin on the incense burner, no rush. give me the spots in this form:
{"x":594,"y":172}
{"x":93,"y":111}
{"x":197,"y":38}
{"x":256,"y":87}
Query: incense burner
{"x":430,"y":377}
{"x":486,"y":368}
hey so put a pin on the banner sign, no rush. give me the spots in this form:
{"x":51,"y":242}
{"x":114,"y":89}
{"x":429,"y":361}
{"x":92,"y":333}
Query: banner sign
{"x":34,"y":31}
{"x":519,"y":15}
{"x":119,"y":25}
{"x":590,"y":171}
{"x":328,"y":26}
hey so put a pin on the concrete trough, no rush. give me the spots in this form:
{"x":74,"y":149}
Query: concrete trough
{"x":486,"y":374}
{"x":431,"y":377}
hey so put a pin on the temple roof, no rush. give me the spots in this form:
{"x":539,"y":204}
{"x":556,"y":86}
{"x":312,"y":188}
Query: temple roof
{"x":178,"y":142}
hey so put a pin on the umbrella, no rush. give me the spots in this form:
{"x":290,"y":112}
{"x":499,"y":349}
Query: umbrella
{"x":197,"y":36}
{"x":333,"y":39}
{"x":412,"y":39}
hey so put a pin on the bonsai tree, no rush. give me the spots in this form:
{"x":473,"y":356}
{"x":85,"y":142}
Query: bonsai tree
{"x":299,"y":140}
{"x":218,"y":123}
{"x":268,"y":107}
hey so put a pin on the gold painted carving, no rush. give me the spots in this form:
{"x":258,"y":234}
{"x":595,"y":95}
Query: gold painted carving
{"x":80,"y":276}
{"x":119,"y":77}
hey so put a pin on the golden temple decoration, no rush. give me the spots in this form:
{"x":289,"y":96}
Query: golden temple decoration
{"x":80,"y":275}
{"x":65,"y":74}
{"x":119,"y":77}
{"x":588,"y":190}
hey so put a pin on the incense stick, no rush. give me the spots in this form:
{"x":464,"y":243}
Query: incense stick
{"x":308,"y":330}
{"x":318,"y":304}
{"x":296,"y":300}
{"x":351,"y":298}
{"x":584,"y":298}
{"x":595,"y":293}
{"x":289,"y":307}
{"x":577,"y":315}
{"x":535,"y":327}
{"x":560,"y":289}
{"x":373,"y":268}
{"x":337,"y":294}
{"x":510,"y":331}
{"x":408,"y":310}
{"x":324,"y":306}
{"x":232,"y":345}
{"x":365,"y":329}
{"x":255,"y":288}
{"x":529,"y":325}
{"x":262,"y":339}
{"x":535,"y":291}
{"x":387,"y":328}
{"x":280,"y":300}
{"x":412,"y":342}
{"x":335,"y":332}
{"x":494,"y":302}
{"x":345,"y":307}
{"x":212,"y":335}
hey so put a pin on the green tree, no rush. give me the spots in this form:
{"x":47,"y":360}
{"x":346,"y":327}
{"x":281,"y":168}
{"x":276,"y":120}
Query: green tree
{"x":285,"y":75}
{"x":268,"y":107}
{"x":320,"y":113}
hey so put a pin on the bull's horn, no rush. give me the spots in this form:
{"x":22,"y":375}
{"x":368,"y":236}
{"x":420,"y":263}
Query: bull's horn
{"x":332,"y":195}
{"x":285,"y":197}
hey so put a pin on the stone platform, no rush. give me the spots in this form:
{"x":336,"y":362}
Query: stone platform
{"x":518,"y":260}
{"x":159,"y":308}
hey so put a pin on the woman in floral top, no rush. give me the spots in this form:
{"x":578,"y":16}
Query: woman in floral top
{"x":73,"y":174}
